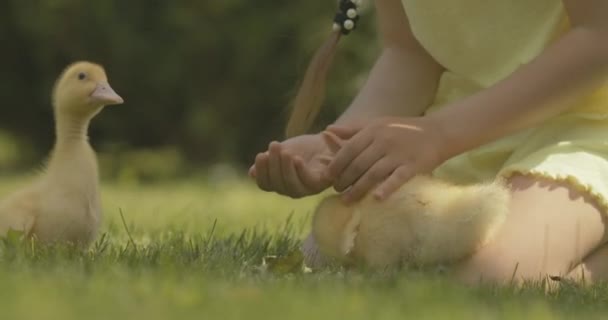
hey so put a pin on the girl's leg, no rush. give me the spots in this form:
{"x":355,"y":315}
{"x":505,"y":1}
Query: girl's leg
{"x":594,"y":269}
{"x":550,"y":228}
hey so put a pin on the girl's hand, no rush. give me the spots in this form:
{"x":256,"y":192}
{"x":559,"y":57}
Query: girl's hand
{"x":384,"y":154}
{"x":293,"y":167}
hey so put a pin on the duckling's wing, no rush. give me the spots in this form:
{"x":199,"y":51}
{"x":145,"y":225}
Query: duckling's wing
{"x":17,"y":213}
{"x":19,"y":221}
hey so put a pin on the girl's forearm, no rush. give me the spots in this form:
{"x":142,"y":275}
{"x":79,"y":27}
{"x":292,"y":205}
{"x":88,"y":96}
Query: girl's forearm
{"x":403,"y":82}
{"x":549,"y":85}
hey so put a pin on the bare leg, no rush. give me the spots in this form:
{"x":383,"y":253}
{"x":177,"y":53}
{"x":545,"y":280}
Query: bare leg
{"x":550,"y":228}
{"x":594,"y":269}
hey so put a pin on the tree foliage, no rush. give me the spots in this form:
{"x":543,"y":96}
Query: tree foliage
{"x":212,"y":77}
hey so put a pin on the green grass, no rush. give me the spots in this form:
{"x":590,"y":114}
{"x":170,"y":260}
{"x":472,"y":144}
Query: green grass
{"x":196,"y":250}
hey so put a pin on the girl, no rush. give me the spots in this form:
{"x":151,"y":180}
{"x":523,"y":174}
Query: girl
{"x":469,"y":91}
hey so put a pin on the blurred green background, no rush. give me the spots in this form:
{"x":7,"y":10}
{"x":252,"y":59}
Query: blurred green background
{"x":205,"y":82}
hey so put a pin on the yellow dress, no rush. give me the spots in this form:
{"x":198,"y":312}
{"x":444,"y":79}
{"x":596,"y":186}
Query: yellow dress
{"x":480,"y":42}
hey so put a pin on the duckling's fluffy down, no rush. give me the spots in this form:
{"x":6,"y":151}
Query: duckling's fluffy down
{"x":62,"y":204}
{"x":426,"y":222}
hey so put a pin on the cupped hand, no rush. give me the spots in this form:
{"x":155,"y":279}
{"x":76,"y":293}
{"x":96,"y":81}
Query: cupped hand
{"x":294,"y":167}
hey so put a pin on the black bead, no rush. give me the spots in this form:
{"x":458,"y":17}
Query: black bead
{"x":347,"y":4}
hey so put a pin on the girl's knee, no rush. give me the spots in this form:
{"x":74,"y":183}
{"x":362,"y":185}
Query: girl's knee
{"x":594,"y":268}
{"x":507,"y":266}
{"x":541,"y":237}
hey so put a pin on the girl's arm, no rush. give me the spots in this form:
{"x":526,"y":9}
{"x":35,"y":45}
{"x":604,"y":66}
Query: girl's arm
{"x":552,"y":83}
{"x":404,"y":79}
{"x":549,"y":85}
{"x":402,"y":83}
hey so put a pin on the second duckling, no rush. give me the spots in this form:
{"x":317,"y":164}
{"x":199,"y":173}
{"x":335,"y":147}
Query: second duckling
{"x":63,"y":204}
{"x":426,"y":222}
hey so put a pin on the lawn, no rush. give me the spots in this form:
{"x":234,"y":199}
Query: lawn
{"x":195,"y":249}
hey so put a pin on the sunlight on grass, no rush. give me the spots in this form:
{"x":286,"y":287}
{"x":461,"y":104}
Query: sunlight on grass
{"x":145,"y":296}
{"x":181,"y":267}
{"x":193,"y":206}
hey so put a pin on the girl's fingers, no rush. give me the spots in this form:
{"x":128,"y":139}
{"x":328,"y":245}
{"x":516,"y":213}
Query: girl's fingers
{"x":261,"y":165}
{"x":399,"y":177}
{"x":325,"y":159}
{"x":344,"y":132}
{"x":275,"y":172}
{"x":311,"y":181}
{"x":376,"y":174}
{"x":332,"y":140}
{"x":349,"y":151}
{"x":293,"y":185}
{"x":251,"y":171}
{"x":358,"y":167}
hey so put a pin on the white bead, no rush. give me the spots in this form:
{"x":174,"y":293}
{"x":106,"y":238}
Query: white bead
{"x":349,"y":24}
{"x":351,"y":13}
{"x":336,"y":27}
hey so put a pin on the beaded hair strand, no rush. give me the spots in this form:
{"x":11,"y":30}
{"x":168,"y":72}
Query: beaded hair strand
{"x":311,"y":93}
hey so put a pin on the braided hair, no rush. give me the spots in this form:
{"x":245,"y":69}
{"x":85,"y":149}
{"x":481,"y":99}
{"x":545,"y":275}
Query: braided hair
{"x":311,"y":93}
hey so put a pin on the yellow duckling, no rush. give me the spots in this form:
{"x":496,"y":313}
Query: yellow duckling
{"x":63,"y":203}
{"x":426,"y":222}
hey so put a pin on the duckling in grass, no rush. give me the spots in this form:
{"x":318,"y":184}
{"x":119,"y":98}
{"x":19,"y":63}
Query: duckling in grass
{"x":63,"y":204}
{"x":426,"y":222}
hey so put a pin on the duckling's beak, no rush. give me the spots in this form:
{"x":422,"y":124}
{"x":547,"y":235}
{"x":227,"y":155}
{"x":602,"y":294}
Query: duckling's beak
{"x":105,"y":95}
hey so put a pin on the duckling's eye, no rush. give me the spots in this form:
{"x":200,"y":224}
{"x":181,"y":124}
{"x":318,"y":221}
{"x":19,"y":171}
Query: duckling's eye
{"x":81,"y":76}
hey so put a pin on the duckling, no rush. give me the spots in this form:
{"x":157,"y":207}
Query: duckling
{"x":63,"y":204}
{"x":426,"y":222}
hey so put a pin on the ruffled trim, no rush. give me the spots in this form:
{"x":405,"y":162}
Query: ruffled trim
{"x":574,"y":182}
